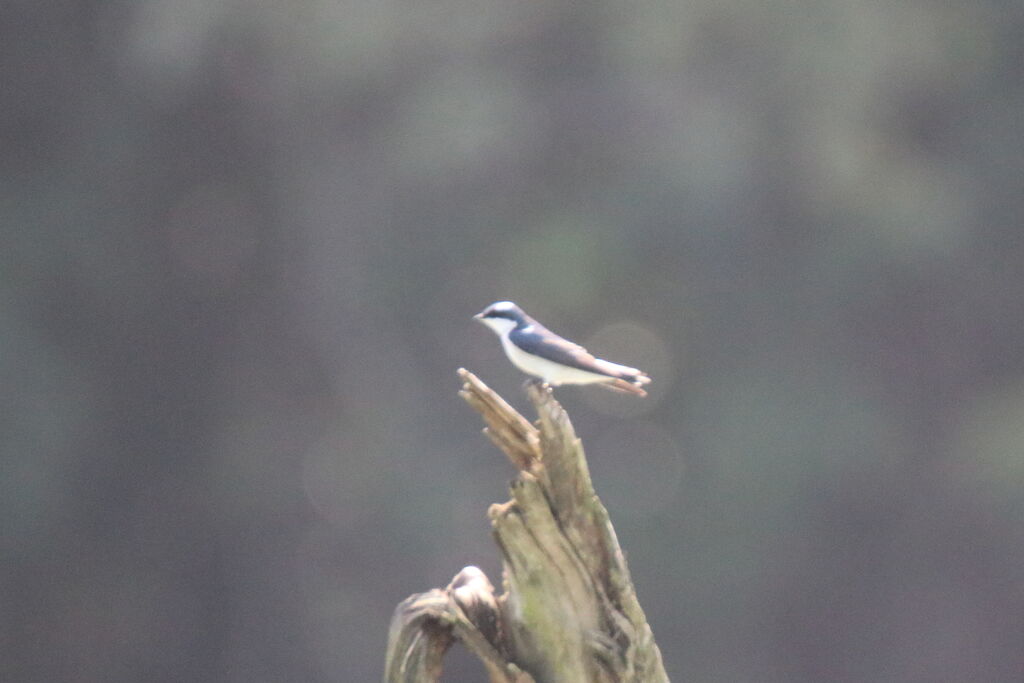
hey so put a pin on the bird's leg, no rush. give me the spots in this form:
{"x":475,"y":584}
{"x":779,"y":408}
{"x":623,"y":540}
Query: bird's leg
{"x":535,"y":382}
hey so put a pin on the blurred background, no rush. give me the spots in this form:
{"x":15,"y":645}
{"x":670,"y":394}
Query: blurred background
{"x":243,"y":242}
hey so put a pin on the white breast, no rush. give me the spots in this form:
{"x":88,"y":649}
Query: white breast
{"x":550,"y":372}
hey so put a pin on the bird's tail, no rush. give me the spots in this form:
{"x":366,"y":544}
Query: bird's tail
{"x":626,"y":387}
{"x":626,"y":380}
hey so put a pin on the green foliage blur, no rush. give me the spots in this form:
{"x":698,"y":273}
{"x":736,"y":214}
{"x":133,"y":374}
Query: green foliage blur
{"x":242,"y":243}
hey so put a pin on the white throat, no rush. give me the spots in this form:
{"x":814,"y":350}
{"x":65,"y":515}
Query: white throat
{"x":501,"y":326}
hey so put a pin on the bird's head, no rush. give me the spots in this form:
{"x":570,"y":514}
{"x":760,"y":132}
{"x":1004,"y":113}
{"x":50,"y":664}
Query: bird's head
{"x":501,"y":316}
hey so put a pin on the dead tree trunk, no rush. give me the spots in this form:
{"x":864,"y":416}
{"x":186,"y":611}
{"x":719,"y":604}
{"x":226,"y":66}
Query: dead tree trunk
{"x":568,"y":612}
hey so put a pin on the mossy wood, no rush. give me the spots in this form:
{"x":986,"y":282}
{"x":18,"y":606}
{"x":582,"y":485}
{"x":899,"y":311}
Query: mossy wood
{"x":568,"y":612}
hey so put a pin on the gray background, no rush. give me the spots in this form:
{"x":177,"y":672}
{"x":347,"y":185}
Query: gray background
{"x":242,"y":243}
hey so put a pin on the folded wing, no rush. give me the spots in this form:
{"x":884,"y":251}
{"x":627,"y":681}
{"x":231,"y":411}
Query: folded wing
{"x":540,"y":341}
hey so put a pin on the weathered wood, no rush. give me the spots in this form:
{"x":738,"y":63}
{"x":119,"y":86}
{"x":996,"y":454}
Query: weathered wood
{"x":569,"y":612}
{"x":425,"y":625}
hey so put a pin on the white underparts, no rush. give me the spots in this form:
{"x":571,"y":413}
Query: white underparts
{"x":549,"y":371}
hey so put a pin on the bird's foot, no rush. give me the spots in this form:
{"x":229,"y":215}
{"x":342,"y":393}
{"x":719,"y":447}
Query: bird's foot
{"x":534,"y":382}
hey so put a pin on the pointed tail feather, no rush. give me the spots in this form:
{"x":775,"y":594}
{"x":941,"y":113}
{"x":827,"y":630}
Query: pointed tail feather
{"x":624,"y":387}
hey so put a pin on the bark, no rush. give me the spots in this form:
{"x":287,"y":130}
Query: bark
{"x":568,"y":611}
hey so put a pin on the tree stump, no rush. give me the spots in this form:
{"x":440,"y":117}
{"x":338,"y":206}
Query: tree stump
{"x":569,"y":612}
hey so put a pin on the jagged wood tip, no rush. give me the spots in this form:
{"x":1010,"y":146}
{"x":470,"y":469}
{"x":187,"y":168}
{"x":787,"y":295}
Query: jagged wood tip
{"x":506,"y":428}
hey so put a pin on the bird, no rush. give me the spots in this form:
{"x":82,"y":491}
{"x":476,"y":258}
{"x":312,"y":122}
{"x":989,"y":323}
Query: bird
{"x":538,"y":351}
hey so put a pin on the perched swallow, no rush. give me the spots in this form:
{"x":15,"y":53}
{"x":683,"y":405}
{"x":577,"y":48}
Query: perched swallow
{"x":538,"y":351}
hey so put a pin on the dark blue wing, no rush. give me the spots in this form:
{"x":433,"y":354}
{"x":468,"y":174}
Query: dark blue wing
{"x":542,"y":342}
